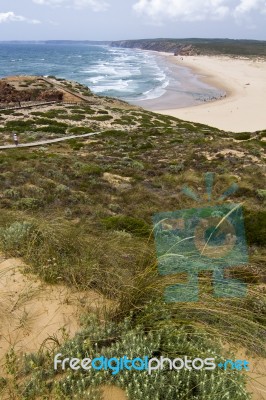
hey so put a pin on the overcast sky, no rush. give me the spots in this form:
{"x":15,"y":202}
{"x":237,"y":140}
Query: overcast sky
{"x":131,"y":19}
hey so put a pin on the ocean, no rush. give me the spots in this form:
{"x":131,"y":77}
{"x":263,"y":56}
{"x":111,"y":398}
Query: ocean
{"x":132,"y":75}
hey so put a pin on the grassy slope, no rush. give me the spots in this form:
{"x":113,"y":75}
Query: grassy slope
{"x":88,"y":204}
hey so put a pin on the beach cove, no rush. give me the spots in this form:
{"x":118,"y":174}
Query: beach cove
{"x":243,"y":80}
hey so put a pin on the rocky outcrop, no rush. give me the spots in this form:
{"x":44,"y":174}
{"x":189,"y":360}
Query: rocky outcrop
{"x":9,"y":94}
{"x":186,"y":51}
{"x":50,"y":95}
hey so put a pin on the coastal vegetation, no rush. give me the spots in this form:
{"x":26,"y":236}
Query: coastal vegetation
{"x":79,"y":213}
{"x":193,"y":46}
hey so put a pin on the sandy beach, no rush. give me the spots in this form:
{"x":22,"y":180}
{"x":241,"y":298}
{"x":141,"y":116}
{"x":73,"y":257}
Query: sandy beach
{"x":244,"y":81}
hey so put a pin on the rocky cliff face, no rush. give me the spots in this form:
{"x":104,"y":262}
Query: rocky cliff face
{"x":164,"y":45}
{"x":9,"y":94}
{"x":193,"y":46}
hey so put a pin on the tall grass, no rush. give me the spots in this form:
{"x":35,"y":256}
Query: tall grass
{"x":124,"y":268}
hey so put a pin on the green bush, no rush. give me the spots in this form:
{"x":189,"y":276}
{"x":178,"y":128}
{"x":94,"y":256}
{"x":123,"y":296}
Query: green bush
{"x":54,"y":113}
{"x":261,"y":194}
{"x":62,"y":189}
{"x":89,"y":169}
{"x":46,"y":121}
{"x":80,"y":130}
{"x":119,"y":122}
{"x":75,"y":144}
{"x":132,"y":225}
{"x":52,"y":129}
{"x":113,"y":133}
{"x":20,"y":126}
{"x":29,"y":203}
{"x":103,"y":118}
{"x":37,"y":113}
{"x":103,"y":112}
{"x":84,"y":110}
{"x":255,"y":226}
{"x":12,"y":193}
{"x":137,"y":165}
{"x":123,"y":339}
{"x":75,"y":117}
{"x":14,"y":238}
{"x":242,"y":136}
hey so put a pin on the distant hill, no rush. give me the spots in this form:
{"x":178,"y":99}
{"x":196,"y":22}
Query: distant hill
{"x":189,"y":46}
{"x":198,"y":46}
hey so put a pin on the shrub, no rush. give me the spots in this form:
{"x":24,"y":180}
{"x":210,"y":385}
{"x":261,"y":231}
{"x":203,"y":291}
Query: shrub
{"x":46,"y":121}
{"x":145,"y":146}
{"x":14,"y":238}
{"x":80,"y":130}
{"x":132,"y":225}
{"x":37,"y":113}
{"x":255,"y":226}
{"x":124,"y":339}
{"x":54,"y":113}
{"x":242,"y":136}
{"x":102,"y":112}
{"x":62,"y":189}
{"x":52,"y":129}
{"x":102,"y":118}
{"x":137,"y":165}
{"x":176,"y":167}
{"x":89,"y":169}
{"x":261,"y":194}
{"x":120,"y":122}
{"x":11,"y":193}
{"x":20,"y":126}
{"x":75,"y":117}
{"x":75,"y":145}
{"x":29,"y":203}
{"x":113,"y":133}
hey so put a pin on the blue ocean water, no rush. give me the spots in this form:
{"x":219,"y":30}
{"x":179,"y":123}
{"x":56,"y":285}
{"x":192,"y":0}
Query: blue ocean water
{"x":128,"y":74}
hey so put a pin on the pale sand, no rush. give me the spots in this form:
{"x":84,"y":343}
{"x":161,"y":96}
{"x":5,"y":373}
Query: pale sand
{"x":113,"y":393}
{"x":32,"y":312}
{"x":244,"y":80}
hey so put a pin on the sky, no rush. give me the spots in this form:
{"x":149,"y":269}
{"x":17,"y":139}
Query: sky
{"x":131,"y":19}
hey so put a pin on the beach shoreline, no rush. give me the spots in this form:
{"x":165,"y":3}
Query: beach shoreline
{"x":242,"y":79}
{"x":185,"y":88}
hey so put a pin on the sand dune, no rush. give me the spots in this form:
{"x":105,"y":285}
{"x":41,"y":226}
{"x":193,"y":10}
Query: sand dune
{"x":32,"y":311}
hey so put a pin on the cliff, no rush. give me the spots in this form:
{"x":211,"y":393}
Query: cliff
{"x":11,"y":94}
{"x":169,"y":46}
{"x":193,"y":46}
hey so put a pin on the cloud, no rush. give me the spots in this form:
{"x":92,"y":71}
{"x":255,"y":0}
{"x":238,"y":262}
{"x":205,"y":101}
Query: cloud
{"x":197,"y":10}
{"x":246,"y":6}
{"x":186,"y":10}
{"x":10,"y":16}
{"x":94,"y":5}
